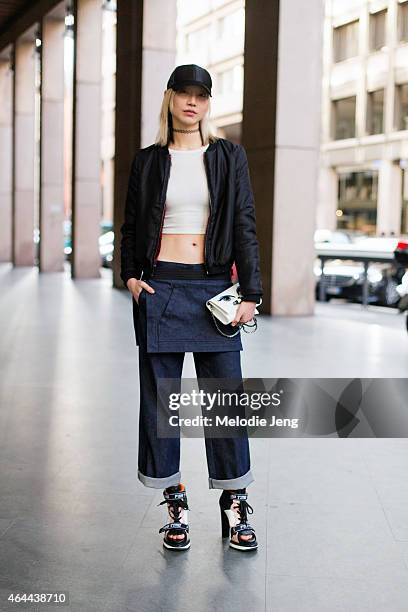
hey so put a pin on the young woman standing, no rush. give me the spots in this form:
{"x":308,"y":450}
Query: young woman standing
{"x":189,"y":216}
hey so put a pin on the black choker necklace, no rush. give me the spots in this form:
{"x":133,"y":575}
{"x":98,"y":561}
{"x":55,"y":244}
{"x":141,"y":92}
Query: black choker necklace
{"x":187,"y":131}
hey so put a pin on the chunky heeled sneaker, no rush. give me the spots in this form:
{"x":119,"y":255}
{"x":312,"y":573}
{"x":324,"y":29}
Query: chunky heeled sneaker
{"x":234,"y":508}
{"x":176,"y":499}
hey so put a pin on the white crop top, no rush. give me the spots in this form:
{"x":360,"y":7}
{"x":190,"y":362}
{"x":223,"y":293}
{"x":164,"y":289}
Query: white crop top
{"x":187,"y":200}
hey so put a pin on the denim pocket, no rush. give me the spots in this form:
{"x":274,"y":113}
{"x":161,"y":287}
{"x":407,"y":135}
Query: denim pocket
{"x":158,"y":301}
{"x":177,"y":318}
{"x":184,"y":316}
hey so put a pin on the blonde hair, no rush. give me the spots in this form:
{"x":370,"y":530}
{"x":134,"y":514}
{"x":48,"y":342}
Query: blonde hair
{"x":164,"y":132}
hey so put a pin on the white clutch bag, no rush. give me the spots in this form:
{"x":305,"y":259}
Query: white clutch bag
{"x":223,"y":308}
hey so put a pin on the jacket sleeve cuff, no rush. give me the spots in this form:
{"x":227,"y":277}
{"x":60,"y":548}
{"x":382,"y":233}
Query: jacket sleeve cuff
{"x":252,"y":297}
{"x":131,"y":273}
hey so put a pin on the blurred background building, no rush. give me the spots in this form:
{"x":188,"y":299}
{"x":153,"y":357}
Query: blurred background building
{"x":212,"y":34}
{"x":364,"y":177}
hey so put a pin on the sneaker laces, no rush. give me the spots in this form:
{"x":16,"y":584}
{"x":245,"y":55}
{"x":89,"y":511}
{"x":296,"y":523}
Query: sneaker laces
{"x":243,"y":508}
{"x":175,"y":507}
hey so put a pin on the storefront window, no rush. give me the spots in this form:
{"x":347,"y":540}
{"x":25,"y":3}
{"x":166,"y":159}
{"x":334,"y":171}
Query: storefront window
{"x":357,"y":201}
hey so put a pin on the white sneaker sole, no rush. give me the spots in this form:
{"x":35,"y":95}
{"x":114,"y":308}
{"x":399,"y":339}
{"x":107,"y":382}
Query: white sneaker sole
{"x":237,"y":546}
{"x":231,"y":519}
{"x":176,"y":547}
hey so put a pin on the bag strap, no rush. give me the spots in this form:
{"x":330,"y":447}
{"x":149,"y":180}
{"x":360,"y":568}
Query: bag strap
{"x":240,"y":325}
{"x":221,"y":332}
{"x":255,"y":324}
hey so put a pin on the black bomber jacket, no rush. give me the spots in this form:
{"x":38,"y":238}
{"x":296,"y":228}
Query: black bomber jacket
{"x":231,"y":227}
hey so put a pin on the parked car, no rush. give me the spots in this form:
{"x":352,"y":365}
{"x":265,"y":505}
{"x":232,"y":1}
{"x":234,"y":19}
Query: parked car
{"x":106,"y":240}
{"x":345,"y":278}
{"x":325,"y":236}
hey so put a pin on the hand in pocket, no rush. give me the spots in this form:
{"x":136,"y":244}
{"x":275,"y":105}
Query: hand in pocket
{"x":136,"y":287}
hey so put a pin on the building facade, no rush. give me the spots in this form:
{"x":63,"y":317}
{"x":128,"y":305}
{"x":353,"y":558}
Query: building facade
{"x":211,"y":33}
{"x":363,"y":183}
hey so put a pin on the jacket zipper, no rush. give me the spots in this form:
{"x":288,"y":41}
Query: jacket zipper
{"x":158,"y":240}
{"x":209,"y":216}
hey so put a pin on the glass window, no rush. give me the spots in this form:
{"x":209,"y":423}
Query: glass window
{"x":220,"y":27}
{"x":345,"y":41}
{"x":231,"y":26}
{"x":357,"y":201}
{"x":238,"y":77}
{"x":402,"y":106}
{"x":344,"y":118}
{"x":377,"y":30}
{"x":229,"y":81}
{"x":375,"y":112}
{"x":403,"y":22}
{"x":198,"y":39}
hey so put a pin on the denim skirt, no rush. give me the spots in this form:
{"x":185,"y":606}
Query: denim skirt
{"x":175,"y":317}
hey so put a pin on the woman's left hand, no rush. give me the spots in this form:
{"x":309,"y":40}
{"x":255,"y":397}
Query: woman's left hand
{"x":245,"y":312}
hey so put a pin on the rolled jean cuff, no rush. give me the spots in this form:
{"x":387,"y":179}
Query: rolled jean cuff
{"x":159,"y":483}
{"x":232,"y":483}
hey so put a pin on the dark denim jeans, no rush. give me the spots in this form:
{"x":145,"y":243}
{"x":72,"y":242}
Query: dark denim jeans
{"x":228,"y":459}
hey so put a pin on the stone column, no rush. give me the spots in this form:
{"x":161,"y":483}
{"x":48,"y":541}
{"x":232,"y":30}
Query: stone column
{"x":159,"y":60}
{"x":281,"y":133}
{"x":146,"y":36}
{"x":389,"y":198}
{"x":6,"y":155}
{"x":327,"y":198}
{"x":86,"y":166}
{"x":52,"y":142}
{"x":24,"y":151}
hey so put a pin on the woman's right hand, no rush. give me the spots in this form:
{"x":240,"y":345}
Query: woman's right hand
{"x":136,"y":287}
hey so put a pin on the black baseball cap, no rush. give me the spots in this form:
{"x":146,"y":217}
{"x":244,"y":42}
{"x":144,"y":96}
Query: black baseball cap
{"x":190,"y":74}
